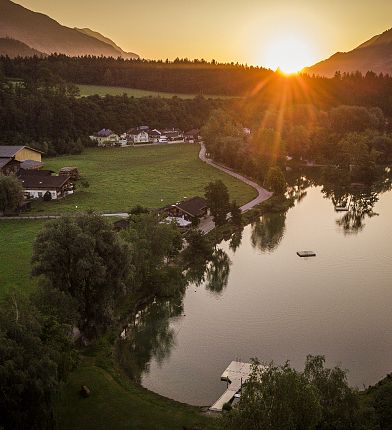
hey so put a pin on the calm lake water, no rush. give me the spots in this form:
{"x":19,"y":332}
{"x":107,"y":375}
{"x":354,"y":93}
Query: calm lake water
{"x":277,"y":306}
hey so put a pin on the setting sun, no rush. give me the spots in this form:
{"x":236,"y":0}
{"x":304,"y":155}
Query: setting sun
{"x":290,"y":54}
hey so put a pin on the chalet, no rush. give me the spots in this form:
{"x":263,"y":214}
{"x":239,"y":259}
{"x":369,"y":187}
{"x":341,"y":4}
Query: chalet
{"x":137,"y":135}
{"x":105,"y":137}
{"x":45,"y":185}
{"x":192,"y":136}
{"x":174,"y":135}
{"x":9,"y":166}
{"x":190,"y":209}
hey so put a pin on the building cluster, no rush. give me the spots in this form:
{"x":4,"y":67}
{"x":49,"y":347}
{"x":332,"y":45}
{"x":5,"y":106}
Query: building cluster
{"x":145,"y":135}
{"x":26,"y":164}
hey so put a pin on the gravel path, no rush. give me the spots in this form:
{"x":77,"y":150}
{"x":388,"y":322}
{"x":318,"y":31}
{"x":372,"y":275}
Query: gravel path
{"x":206,"y":224}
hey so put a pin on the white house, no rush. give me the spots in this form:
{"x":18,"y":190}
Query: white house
{"x":46,"y":186}
{"x":105,"y":137}
{"x":137,"y":135}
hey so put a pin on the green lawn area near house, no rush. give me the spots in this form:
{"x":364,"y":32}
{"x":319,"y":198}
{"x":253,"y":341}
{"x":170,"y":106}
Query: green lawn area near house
{"x":153,"y":176}
{"x":16,"y":247}
{"x":116,"y":403}
{"x":102,"y":90}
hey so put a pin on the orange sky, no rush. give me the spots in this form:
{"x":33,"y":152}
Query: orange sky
{"x":258,"y":32}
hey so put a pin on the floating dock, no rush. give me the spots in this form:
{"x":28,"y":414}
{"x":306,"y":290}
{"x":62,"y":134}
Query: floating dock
{"x":306,"y":253}
{"x":236,"y":374}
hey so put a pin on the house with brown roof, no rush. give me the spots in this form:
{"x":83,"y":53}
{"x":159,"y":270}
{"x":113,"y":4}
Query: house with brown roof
{"x":192,"y":136}
{"x":46,"y":186}
{"x":190,"y":209}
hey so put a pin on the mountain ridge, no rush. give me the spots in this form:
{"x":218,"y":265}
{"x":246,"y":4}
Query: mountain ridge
{"x":42,"y":33}
{"x":373,"y":55}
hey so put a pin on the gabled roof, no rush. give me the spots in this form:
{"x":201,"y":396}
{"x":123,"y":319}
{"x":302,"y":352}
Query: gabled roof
{"x":9,"y":151}
{"x":105,"y":132}
{"x":193,"y":206}
{"x":42,"y":182}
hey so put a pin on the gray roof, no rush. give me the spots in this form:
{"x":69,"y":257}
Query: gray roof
{"x":31,"y":164}
{"x":193,"y":206}
{"x":4,"y":161}
{"x":7,"y":151}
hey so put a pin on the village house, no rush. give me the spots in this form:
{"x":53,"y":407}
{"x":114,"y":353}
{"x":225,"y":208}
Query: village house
{"x":188,"y":210}
{"x":105,"y":137}
{"x":13,"y":158}
{"x":192,"y":136}
{"x":174,"y":135}
{"x":137,"y":135}
{"x":41,"y":184}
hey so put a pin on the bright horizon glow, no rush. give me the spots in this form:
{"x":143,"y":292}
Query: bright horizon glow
{"x":289,"y":53}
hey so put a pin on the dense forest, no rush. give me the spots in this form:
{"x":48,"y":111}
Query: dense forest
{"x":201,"y":77}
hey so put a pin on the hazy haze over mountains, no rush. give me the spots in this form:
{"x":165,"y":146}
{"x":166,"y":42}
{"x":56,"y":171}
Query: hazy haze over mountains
{"x":374,"y":54}
{"x":44,"y":34}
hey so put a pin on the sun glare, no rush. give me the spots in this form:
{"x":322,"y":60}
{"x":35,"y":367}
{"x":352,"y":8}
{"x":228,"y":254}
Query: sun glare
{"x":290,"y":54}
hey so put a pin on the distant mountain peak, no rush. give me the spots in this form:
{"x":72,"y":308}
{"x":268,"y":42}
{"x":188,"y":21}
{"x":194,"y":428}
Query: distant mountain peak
{"x":44,"y":34}
{"x":373,"y":55}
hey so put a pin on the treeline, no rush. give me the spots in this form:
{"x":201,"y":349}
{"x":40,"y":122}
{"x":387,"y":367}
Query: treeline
{"x":352,"y":139}
{"x":201,"y":77}
{"x":45,"y":114}
{"x":180,"y":76}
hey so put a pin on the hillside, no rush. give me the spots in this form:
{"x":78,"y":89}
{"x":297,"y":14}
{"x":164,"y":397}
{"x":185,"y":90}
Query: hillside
{"x":46,"y":35}
{"x":374,"y":54}
{"x":102,"y":38}
{"x":15,"y":48}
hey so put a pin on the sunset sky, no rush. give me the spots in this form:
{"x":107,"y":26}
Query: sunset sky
{"x":261,"y":32}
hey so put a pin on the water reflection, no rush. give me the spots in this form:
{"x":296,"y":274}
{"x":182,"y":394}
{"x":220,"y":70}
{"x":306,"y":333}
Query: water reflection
{"x":149,"y":336}
{"x":268,"y":232}
{"x":218,"y":270}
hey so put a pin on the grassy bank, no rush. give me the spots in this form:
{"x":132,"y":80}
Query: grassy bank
{"x":101,"y":90}
{"x":153,"y":176}
{"x":117,"y":403}
{"x":16,"y":246}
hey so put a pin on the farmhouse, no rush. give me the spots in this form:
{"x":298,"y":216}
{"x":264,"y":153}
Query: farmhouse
{"x":192,"y":136}
{"x":105,"y":137}
{"x":137,"y":135}
{"x":191,"y":209}
{"x":44,"y":185}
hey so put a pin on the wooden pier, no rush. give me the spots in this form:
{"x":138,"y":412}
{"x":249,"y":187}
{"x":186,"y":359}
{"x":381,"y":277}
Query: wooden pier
{"x":236,"y":374}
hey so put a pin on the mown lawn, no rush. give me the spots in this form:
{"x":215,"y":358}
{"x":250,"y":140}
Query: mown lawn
{"x":118,"y":404}
{"x":102,"y":90}
{"x":16,"y":246}
{"x":155,"y":176}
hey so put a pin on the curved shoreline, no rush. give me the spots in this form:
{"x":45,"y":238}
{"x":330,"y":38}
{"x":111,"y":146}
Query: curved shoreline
{"x":207,"y":224}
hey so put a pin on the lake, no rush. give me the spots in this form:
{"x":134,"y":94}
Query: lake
{"x":277,"y":306}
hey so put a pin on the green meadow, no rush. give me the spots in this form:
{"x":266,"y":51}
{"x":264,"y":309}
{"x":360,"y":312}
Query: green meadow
{"x":152,"y":176}
{"x":102,"y":91}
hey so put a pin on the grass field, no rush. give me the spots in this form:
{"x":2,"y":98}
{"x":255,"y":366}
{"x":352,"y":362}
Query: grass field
{"x":101,"y":90}
{"x":154,"y":176}
{"x":116,"y":403}
{"x":16,"y":247}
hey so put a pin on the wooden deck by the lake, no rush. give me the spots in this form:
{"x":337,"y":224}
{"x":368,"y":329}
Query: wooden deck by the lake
{"x":236,"y":374}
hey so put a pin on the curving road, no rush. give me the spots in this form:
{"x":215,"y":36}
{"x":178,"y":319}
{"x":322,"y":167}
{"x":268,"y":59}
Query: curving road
{"x":207,"y":224}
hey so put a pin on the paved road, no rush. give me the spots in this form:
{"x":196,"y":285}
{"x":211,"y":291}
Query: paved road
{"x":206,"y":225}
